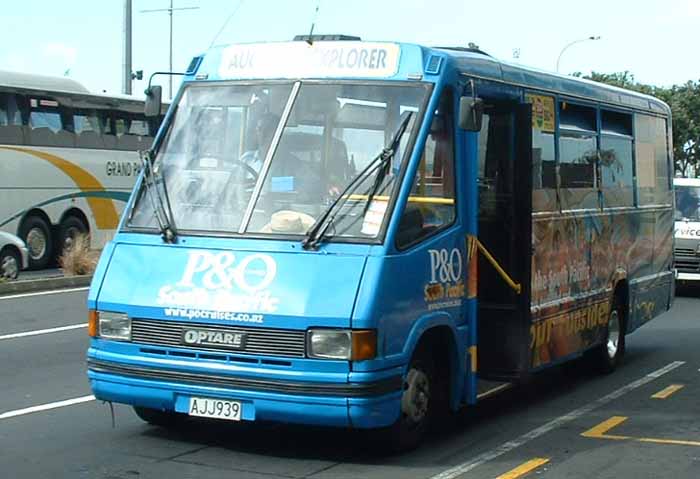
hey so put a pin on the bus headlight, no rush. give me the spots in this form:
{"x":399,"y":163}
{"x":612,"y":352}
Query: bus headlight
{"x":114,"y":325}
{"x":351,"y":345}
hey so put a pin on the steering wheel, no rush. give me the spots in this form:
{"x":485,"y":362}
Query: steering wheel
{"x":240,"y":184}
{"x":248,"y":169}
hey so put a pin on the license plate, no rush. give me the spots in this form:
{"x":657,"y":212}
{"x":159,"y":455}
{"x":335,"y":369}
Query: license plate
{"x":216,"y":408}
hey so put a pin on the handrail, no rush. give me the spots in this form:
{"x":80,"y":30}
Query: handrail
{"x":517,"y":287}
{"x":411,"y":199}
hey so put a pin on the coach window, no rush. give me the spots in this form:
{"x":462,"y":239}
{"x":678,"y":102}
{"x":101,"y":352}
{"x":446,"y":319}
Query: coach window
{"x":45,"y":114}
{"x":86,"y":124}
{"x":616,"y":165}
{"x":4,"y":116}
{"x":50,"y":123}
{"x":86,"y":121}
{"x":10,"y":120}
{"x":577,"y":156}
{"x":651,"y":151}
{"x":431,"y":203}
{"x":544,"y":176}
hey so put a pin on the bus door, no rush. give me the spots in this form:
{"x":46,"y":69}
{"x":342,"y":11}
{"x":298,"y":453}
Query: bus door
{"x":504,"y":229}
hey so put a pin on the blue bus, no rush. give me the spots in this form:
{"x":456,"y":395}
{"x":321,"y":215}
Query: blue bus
{"x":370,"y":234}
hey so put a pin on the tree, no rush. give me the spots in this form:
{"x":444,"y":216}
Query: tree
{"x":684,"y":101}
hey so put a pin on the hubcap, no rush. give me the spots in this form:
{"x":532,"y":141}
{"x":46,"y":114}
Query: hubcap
{"x":10,"y":268}
{"x":613,"y":334}
{"x":36,"y":243}
{"x":69,"y":240}
{"x":416,"y":396}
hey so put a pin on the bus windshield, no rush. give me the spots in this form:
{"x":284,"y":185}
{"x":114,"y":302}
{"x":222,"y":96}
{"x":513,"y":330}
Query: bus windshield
{"x":687,"y":202}
{"x":269,"y":158}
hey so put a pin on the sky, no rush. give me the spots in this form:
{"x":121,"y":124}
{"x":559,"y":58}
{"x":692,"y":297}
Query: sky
{"x":655,"y":40}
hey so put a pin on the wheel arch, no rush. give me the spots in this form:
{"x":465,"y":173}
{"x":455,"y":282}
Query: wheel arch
{"x":38,"y":212}
{"x":15,"y":249}
{"x":76,"y":213}
{"x":621,"y":292}
{"x":439,"y":334}
{"x":12,"y":250}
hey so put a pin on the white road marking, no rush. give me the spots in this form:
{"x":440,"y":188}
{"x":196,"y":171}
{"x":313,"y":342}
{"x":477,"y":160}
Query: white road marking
{"x":553,"y":424}
{"x":46,"y":407}
{"x":42,"y":293}
{"x":43,"y":331}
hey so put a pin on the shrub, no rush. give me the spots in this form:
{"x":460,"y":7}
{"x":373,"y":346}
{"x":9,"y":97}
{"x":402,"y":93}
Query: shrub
{"x":78,"y":260}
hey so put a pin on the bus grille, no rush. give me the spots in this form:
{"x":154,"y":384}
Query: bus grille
{"x":686,"y":260}
{"x":260,"y":341}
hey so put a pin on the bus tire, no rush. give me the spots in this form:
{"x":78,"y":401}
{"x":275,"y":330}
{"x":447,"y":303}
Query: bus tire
{"x":36,"y":234}
{"x":418,"y":405}
{"x":608,"y":355}
{"x":71,"y":227}
{"x":157,"y":417}
{"x":10,"y":263}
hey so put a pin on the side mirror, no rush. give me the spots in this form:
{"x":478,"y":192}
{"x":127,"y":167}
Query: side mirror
{"x":153,"y":100}
{"x":471,"y":111}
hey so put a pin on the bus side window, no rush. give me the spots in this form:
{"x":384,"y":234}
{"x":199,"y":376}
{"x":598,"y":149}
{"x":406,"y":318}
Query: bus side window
{"x":616,"y":175}
{"x":544,"y":171}
{"x":578,"y":156}
{"x":652,"y":158}
{"x":4,"y":115}
{"x":87,"y":128}
{"x":11,"y":131}
{"x":50,"y":123}
{"x":431,"y":203}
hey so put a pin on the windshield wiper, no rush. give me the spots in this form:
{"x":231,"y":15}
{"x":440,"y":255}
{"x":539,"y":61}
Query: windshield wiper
{"x":381,"y":162}
{"x":161,"y":208}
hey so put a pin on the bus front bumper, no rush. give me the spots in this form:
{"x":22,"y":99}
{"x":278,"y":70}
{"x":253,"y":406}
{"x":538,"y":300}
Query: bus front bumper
{"x":342,"y":404}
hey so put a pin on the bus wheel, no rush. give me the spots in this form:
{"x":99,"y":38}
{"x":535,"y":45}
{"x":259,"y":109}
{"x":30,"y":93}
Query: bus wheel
{"x":608,"y":355}
{"x":417,"y":405}
{"x":71,"y":227}
{"x":36,"y":234}
{"x":10,"y":263}
{"x":156,"y":417}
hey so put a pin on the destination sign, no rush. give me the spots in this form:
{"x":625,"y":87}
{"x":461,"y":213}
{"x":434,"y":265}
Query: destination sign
{"x":301,"y":60}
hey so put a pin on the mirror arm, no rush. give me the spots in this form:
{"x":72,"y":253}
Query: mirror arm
{"x":147,"y":91}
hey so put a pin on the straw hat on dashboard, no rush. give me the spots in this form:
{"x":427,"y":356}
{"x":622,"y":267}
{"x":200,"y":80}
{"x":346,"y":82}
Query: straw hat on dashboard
{"x":287,"y":221}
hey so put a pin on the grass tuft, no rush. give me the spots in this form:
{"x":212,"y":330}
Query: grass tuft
{"x":79,"y":260}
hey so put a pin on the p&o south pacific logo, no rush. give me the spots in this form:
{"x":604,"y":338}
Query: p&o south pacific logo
{"x":225,"y":282}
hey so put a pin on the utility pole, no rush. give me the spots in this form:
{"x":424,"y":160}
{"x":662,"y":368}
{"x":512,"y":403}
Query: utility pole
{"x":170,"y":12}
{"x":126,"y":59}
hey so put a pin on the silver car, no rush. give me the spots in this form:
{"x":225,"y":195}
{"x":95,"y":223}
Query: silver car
{"x":14,"y":256}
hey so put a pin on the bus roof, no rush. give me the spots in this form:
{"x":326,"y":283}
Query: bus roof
{"x":398,"y":61}
{"x":479,"y":64}
{"x":40,"y":82}
{"x":67,"y":88}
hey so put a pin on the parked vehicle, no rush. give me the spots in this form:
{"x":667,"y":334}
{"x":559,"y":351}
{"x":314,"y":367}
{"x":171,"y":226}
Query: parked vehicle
{"x":687,"y":229}
{"x":14,"y":256}
{"x":67,"y":161}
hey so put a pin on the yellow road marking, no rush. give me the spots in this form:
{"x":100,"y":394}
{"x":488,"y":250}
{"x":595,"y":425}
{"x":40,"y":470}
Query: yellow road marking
{"x":599,"y":432}
{"x":666,"y":392}
{"x":524,"y":468}
{"x":674,"y":442}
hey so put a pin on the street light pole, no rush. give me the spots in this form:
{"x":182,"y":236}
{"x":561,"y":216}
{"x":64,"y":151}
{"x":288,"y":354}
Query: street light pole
{"x":170,"y":12}
{"x":126,"y":64}
{"x":574,"y":43}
